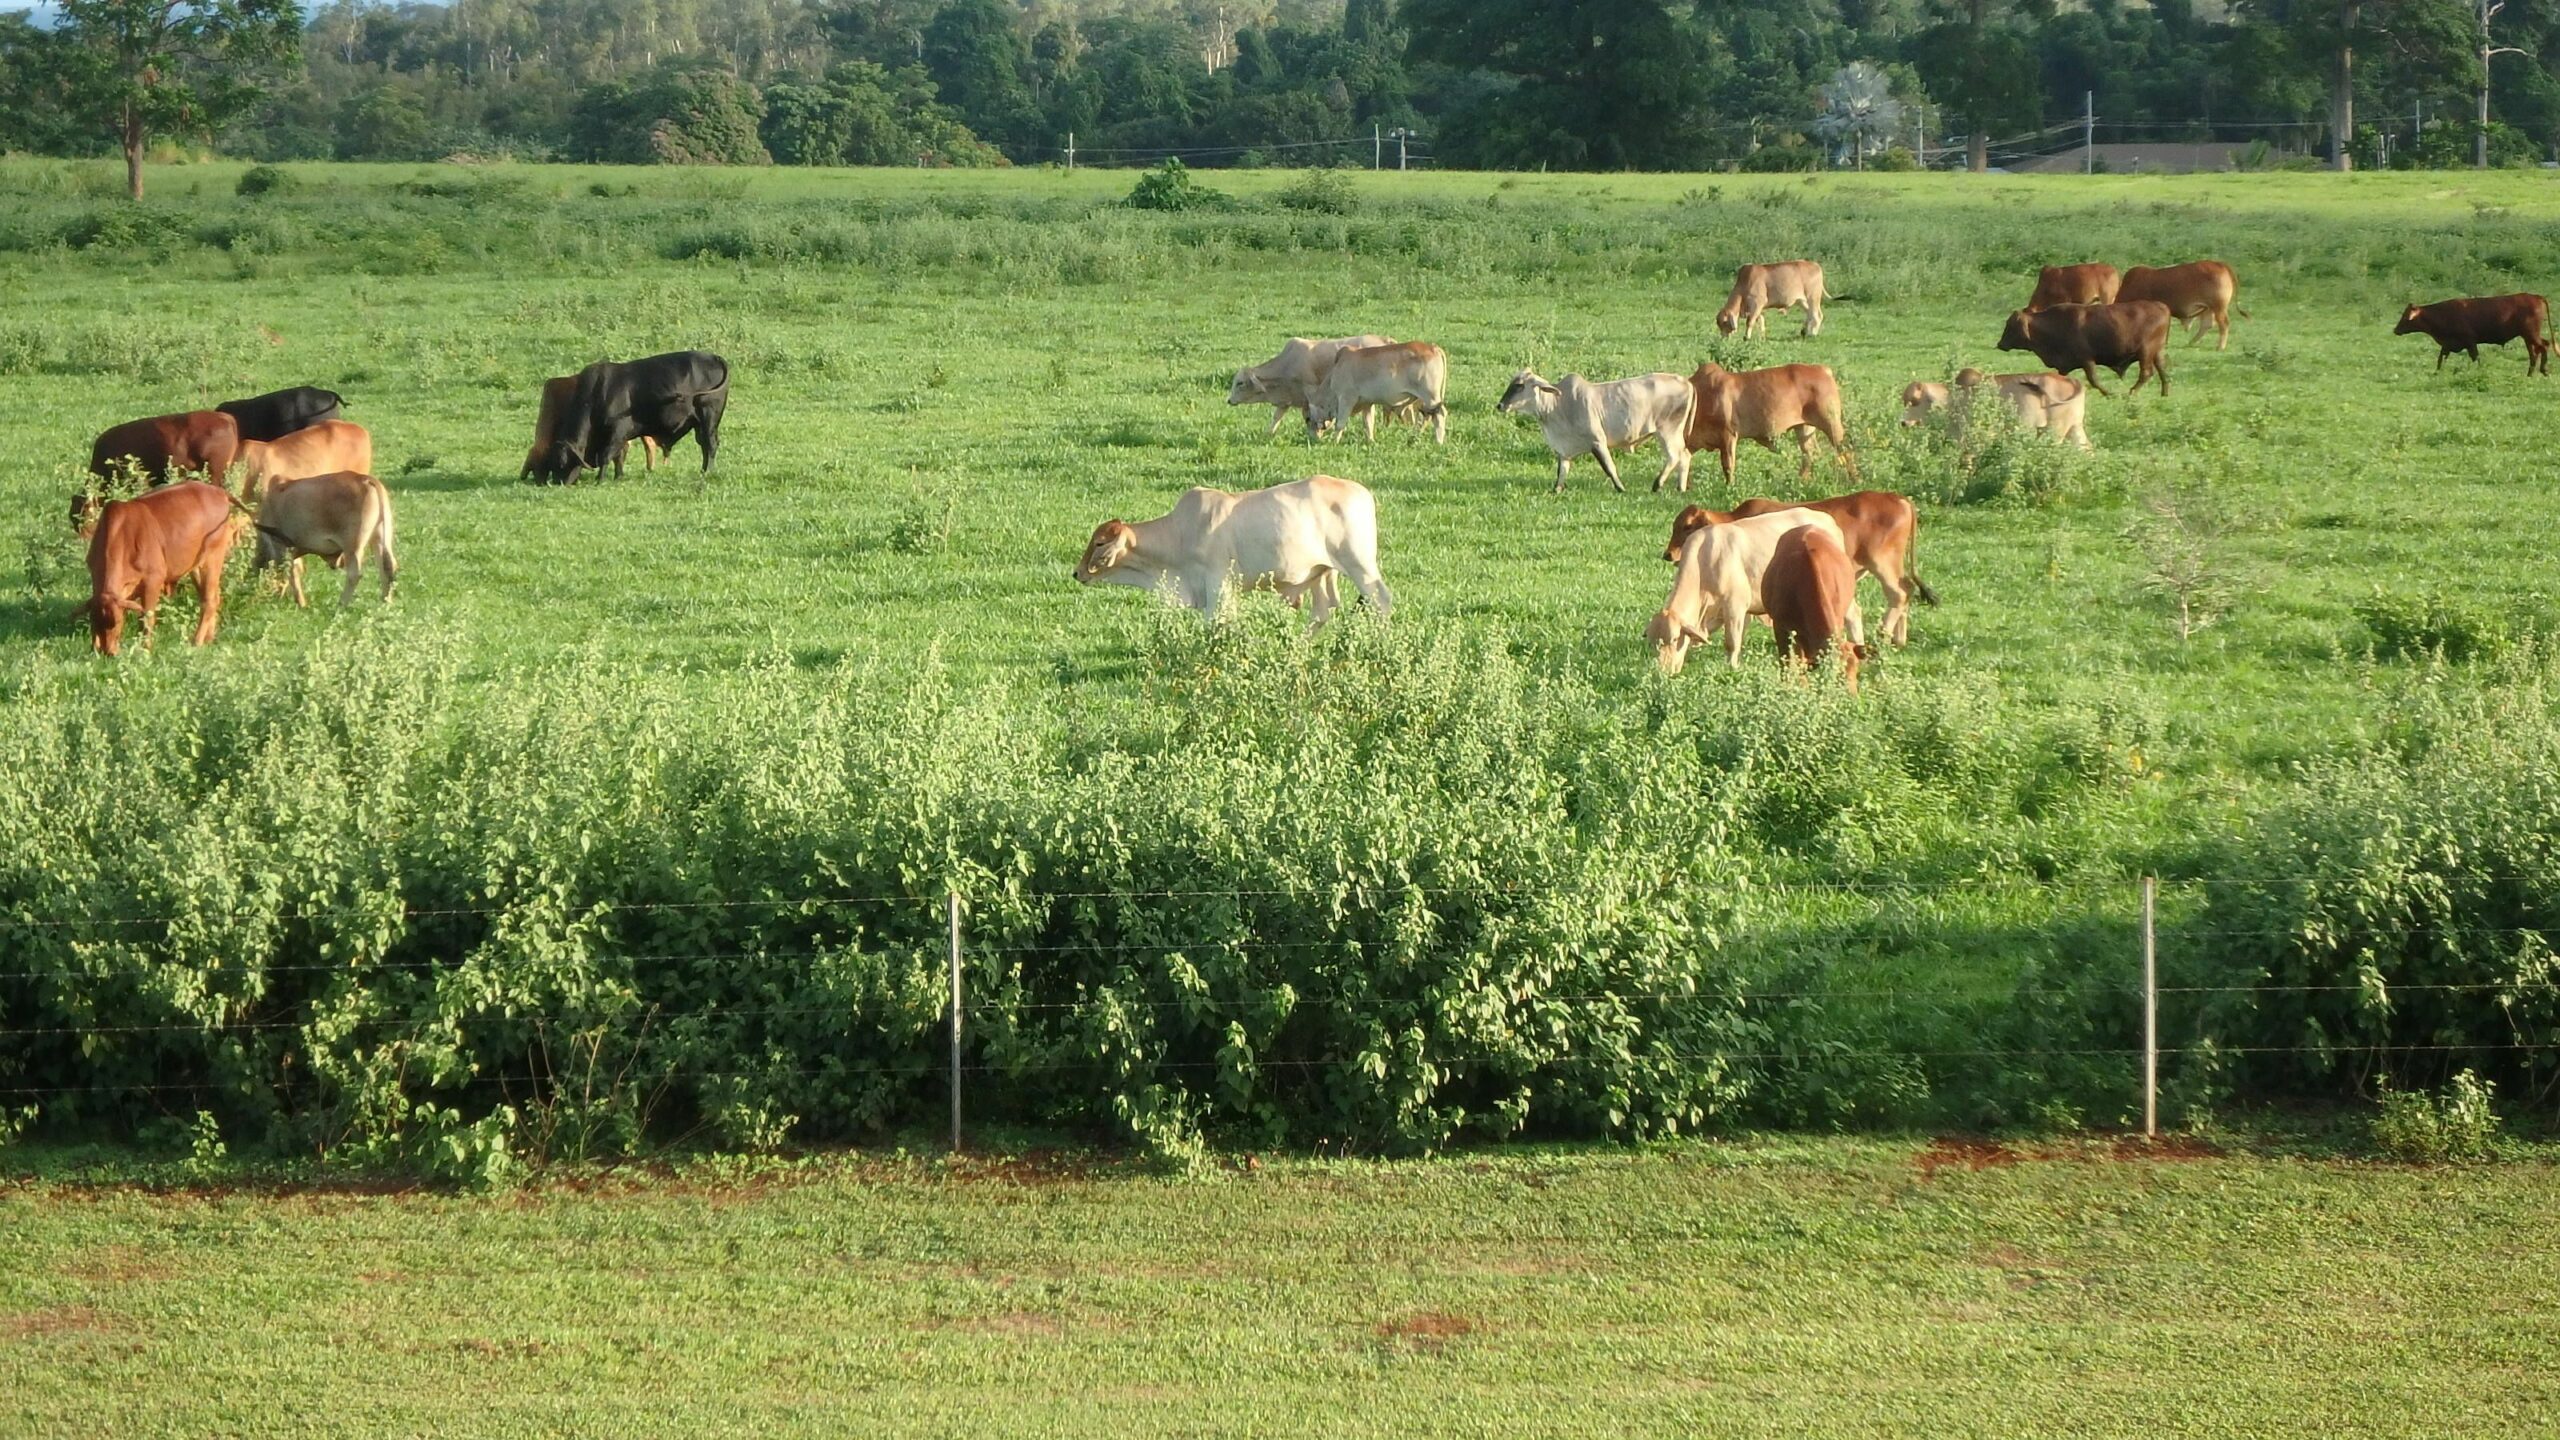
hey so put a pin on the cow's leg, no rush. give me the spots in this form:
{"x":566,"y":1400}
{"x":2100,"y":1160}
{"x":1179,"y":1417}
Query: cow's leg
{"x":1857,"y":621}
{"x":2090,"y":370}
{"x":209,"y":594}
{"x":2475,"y":354}
{"x":149,"y":605}
{"x":1812,"y":317}
{"x":1372,"y":586}
{"x":1675,"y":458}
{"x":1563,"y":464}
{"x":293,"y":581}
{"x":365,"y":540}
{"x":2222,"y":328}
{"x":1804,"y":453}
{"x":1735,"y":620}
{"x":706,"y":431}
{"x":1440,"y":424}
{"x":1725,"y":454}
{"x":1609,"y":468}
{"x":1897,"y":596}
{"x":1278,"y":414}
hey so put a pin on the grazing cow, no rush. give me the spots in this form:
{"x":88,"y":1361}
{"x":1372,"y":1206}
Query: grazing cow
{"x":198,"y":442}
{"x":556,"y":394}
{"x":1762,"y":405}
{"x":342,"y":517}
{"x":2195,"y":292}
{"x":142,"y":546}
{"x":2091,"y":284}
{"x":2468,"y":324}
{"x":2055,"y":404}
{"x":1376,"y":377}
{"x":279,"y":413}
{"x":2084,"y":337}
{"x":662,"y":398}
{"x":1878,"y":528}
{"x":1718,"y":585}
{"x":1293,"y":539}
{"x":323,"y":449}
{"x":1291,"y":379}
{"x":1581,"y":418}
{"x":1759,"y":289}
{"x":1810,"y":590}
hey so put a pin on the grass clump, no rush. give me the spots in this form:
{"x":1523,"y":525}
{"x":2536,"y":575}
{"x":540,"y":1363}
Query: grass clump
{"x":1171,"y":186}
{"x":1320,"y":192}
{"x":2407,"y":626}
{"x":2458,"y":1126}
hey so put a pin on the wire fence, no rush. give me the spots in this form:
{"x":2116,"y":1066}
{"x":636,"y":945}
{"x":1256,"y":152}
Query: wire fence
{"x":123,"y":949}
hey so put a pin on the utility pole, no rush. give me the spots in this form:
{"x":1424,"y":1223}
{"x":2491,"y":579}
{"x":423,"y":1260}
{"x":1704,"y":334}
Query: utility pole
{"x":1377,"y":147}
{"x":2480,"y":138}
{"x":2088,"y":132}
{"x":1071,"y":152}
{"x":1402,"y":135}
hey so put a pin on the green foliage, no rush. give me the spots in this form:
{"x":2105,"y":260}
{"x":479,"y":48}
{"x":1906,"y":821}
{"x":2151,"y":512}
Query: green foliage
{"x":2457,"y":1127}
{"x":266,"y":180}
{"x":140,"y":68}
{"x":1170,"y":186}
{"x":1319,"y":192}
{"x":681,"y":113}
{"x":924,"y":523}
{"x":2414,"y":625}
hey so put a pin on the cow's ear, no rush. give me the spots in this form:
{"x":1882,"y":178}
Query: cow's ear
{"x":1692,"y":634}
{"x":1549,"y":389}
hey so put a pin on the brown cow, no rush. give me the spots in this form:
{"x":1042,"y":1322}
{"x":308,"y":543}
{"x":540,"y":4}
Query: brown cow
{"x":556,"y":394}
{"x":142,"y":546}
{"x":1762,"y":405}
{"x":2195,"y":292}
{"x":1781,"y":286}
{"x":2091,"y":284}
{"x":2084,"y":337}
{"x":1877,"y":528}
{"x":2468,"y":324}
{"x":1810,"y":591}
{"x":197,"y":442}
{"x":323,"y":449}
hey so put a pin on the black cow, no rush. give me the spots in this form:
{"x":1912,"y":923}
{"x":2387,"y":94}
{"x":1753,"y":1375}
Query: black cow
{"x":2468,"y":324}
{"x":663,"y":398}
{"x":279,"y":413}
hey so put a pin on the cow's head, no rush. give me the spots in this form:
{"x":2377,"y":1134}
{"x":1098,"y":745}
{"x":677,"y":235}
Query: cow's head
{"x":2018,"y":335}
{"x":1729,"y":316}
{"x":105,"y":614}
{"x":562,"y":462}
{"x":1852,"y":655}
{"x":2408,"y":321}
{"x":1524,"y":393}
{"x":1671,"y":638}
{"x":1112,"y":542}
{"x":1689,"y":522}
{"x":1247,"y":390}
{"x":85,"y":509}
{"x":1919,"y":398}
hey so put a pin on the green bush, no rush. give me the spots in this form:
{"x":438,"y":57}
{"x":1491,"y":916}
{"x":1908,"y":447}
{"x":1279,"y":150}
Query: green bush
{"x":1320,"y":192}
{"x":267,"y":180}
{"x":2414,"y":626}
{"x":2458,"y":1127}
{"x":1170,"y":186}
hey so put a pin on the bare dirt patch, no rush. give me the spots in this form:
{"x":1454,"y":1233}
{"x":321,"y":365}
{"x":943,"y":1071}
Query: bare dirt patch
{"x":1429,"y":1330}
{"x":56,"y":1320}
{"x":1958,"y":1152}
{"x":1011,"y":1324}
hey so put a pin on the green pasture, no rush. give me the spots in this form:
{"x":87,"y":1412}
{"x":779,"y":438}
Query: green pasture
{"x":852,"y":660}
{"x":1779,"y":1288}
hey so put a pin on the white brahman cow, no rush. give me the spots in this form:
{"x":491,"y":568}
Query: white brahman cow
{"x":1718,"y":585}
{"x":1289,"y":380}
{"x":1383,"y":377}
{"x":1293,"y":539}
{"x":1583,"y":418}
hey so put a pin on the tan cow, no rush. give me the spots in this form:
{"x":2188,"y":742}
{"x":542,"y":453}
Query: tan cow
{"x":2195,"y":292}
{"x":556,"y":394}
{"x":1383,"y":377}
{"x":1809,"y":590}
{"x":1717,"y":586}
{"x":1761,"y":405}
{"x":323,"y":449}
{"x":1759,"y":289}
{"x":1289,"y":380}
{"x":341,"y":517}
{"x":1293,"y":539}
{"x":1879,"y":528}
{"x":2091,"y":284}
{"x":2042,"y":400}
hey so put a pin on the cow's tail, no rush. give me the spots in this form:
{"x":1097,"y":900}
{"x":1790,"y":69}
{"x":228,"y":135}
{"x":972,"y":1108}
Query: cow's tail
{"x":2243,"y":314}
{"x":1911,"y":570}
{"x":382,"y":529}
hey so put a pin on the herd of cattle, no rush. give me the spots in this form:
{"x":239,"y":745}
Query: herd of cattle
{"x":306,"y":484}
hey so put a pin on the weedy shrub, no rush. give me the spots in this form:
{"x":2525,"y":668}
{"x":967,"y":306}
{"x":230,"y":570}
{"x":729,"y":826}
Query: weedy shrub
{"x":2413,"y":626}
{"x":126,"y":226}
{"x":2179,"y":534}
{"x":267,"y":180}
{"x":1320,"y":192}
{"x":22,"y":349}
{"x":2390,"y":915}
{"x":924,"y":523}
{"x":2457,"y":1127}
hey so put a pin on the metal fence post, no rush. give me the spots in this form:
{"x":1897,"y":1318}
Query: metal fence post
{"x":952,"y":900}
{"x":2150,"y":1012}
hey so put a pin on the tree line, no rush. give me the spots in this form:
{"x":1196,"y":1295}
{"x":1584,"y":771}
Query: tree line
{"x":1508,"y":84}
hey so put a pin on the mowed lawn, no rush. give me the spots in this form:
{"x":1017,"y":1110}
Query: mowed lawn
{"x":1782,"y":1288}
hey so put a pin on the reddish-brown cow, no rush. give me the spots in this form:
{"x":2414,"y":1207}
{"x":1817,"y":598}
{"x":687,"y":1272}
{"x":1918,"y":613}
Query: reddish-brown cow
{"x":196,"y":442}
{"x":1877,"y":527}
{"x":2195,"y":292}
{"x":1762,"y":405}
{"x":2084,"y":337}
{"x":1810,"y":590}
{"x":2468,"y":324}
{"x":144,"y":545}
{"x":2091,"y":284}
